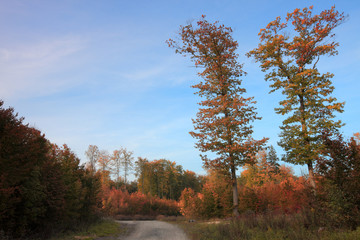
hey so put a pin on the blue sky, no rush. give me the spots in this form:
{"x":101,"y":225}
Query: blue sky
{"x":99,"y":72}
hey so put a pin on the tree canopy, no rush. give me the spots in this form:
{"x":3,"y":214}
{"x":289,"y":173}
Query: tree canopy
{"x":223,"y":123}
{"x":291,"y":66}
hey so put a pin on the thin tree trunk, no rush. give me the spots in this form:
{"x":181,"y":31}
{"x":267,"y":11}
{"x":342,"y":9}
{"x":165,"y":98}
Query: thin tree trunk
{"x":125,"y":173}
{"x":311,"y":176}
{"x":235,"y":192}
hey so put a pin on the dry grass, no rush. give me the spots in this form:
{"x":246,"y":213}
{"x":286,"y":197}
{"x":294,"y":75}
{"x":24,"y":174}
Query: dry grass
{"x":269,"y":227}
{"x":103,"y":228}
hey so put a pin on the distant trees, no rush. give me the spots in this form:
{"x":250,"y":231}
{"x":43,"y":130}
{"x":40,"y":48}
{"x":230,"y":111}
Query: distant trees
{"x":121,"y":160}
{"x":292,"y":67}
{"x":164,"y":178}
{"x":116,"y":162}
{"x":127,"y":162}
{"x":104,"y":161}
{"x":223,"y":123}
{"x":93,"y":155}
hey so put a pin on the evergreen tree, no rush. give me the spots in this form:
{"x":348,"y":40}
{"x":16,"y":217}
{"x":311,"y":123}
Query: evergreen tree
{"x":272,"y":159}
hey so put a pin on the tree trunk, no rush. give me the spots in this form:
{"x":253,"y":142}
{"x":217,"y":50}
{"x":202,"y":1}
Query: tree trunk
{"x":304,"y":130}
{"x":235,"y":192}
{"x":311,"y":176}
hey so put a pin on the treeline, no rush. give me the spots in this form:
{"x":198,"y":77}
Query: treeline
{"x":119,"y":163}
{"x":157,"y":189}
{"x":42,"y":186}
{"x":165,"y":179}
{"x":158,"y":182}
{"x":122,"y":198}
{"x":161,"y":178}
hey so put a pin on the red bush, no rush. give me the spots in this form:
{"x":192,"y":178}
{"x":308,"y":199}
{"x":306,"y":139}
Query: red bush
{"x":120,"y":202}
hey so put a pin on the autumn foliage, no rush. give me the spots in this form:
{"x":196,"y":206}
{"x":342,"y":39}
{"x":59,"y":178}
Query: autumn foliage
{"x":155,"y":186}
{"x":289,"y":51}
{"x":279,"y":192}
{"x":223,"y":122}
{"x":120,"y":202}
{"x":213,"y":200}
{"x":339,"y":175}
{"x":263,"y":187}
{"x":42,"y":186}
{"x":165,"y":179}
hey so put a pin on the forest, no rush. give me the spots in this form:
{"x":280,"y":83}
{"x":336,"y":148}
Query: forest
{"x":45,"y":189}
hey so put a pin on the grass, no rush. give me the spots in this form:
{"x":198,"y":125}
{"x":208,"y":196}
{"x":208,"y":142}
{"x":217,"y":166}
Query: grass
{"x":264,"y":228}
{"x":102,"y":228}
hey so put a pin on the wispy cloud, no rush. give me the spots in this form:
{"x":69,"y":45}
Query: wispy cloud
{"x":24,"y":68}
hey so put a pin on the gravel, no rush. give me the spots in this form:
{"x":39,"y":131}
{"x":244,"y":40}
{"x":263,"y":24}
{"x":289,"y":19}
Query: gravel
{"x":153,"y":230}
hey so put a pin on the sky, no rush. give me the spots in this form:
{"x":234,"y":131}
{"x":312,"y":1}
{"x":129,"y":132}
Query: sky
{"x":99,"y":72}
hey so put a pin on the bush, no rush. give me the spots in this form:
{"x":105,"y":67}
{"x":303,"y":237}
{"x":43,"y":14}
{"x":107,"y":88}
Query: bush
{"x":214,"y":200}
{"x":120,"y":202}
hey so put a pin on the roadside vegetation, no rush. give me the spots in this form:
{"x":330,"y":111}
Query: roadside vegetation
{"x":100,"y":228}
{"x":275,"y":204}
{"x":269,"y":227}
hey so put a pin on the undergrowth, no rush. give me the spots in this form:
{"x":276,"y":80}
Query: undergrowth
{"x":265,"y":227}
{"x":101,"y":228}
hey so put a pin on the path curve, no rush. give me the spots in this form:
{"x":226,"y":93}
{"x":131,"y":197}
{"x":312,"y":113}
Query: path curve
{"x":153,"y":230}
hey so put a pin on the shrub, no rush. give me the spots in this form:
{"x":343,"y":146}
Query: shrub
{"x":120,"y":202}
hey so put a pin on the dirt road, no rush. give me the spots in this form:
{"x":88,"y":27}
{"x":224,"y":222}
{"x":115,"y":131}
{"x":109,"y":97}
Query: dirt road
{"x":153,"y":230}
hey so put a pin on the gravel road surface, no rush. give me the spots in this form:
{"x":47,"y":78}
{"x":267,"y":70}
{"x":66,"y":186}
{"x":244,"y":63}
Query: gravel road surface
{"x":153,"y":230}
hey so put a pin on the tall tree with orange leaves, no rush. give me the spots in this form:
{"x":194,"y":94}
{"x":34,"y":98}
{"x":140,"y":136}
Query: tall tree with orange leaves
{"x":223,"y":123}
{"x":291,"y":63}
